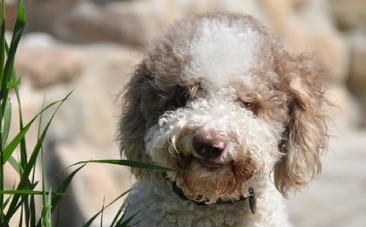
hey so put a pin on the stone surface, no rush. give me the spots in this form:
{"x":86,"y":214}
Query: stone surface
{"x":306,"y":27}
{"x":40,"y":58}
{"x":125,"y":22}
{"x":43,"y":14}
{"x":349,"y":14}
{"x":357,"y":76}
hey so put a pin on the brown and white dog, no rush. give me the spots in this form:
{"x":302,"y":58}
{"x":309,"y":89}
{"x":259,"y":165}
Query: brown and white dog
{"x":219,"y":100}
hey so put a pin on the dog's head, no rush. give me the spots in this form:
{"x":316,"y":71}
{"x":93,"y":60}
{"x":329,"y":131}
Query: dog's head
{"x":219,"y":99}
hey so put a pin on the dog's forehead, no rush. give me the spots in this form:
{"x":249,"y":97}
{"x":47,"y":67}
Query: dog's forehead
{"x":222,"y":50}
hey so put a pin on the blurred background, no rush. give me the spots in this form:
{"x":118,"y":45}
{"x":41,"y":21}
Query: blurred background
{"x":92,"y":46}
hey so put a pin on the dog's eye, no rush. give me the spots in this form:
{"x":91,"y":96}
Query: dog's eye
{"x":252,"y":106}
{"x":245,"y":104}
{"x":179,"y":99}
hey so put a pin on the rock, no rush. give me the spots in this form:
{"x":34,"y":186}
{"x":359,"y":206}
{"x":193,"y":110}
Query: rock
{"x":348,"y":14}
{"x":328,"y":49}
{"x":134,"y":22}
{"x":305,"y":27}
{"x":40,"y":58}
{"x":357,"y":76}
{"x":131,"y":23}
{"x":43,"y":14}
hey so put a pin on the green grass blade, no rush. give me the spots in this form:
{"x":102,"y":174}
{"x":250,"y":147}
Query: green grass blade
{"x":15,"y":164}
{"x":21,"y":216}
{"x":6,"y":123}
{"x":9,"y":149}
{"x":17,"y":33}
{"x":9,"y":63}
{"x":120,"y":214}
{"x":47,"y":210}
{"x":28,"y":192}
{"x":127,"y":163}
{"x":102,"y":213}
{"x":7,"y":56}
{"x":122,"y":223}
{"x":32,"y":160}
{"x":31,"y":210}
{"x":61,"y":191}
{"x":126,"y":222}
{"x":2,"y":60}
{"x":46,"y":198}
{"x":23,"y":149}
{"x":13,"y":84}
{"x":6,"y":202}
{"x":63,"y":187}
{"x":91,"y":220}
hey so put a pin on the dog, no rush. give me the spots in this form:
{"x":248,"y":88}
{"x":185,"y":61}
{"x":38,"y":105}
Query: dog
{"x":237,"y":118}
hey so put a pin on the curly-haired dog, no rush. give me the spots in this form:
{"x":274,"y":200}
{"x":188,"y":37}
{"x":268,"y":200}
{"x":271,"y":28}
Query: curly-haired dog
{"x":219,"y":100}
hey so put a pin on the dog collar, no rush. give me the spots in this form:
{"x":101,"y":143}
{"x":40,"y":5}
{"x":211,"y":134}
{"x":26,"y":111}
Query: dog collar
{"x":251,"y":197}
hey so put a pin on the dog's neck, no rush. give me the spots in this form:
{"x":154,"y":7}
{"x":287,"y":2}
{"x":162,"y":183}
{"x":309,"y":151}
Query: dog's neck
{"x":154,"y":203}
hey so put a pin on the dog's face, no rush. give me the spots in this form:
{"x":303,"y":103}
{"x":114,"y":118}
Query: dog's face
{"x":219,"y":100}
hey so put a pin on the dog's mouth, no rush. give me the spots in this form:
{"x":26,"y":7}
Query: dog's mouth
{"x":251,"y":195}
{"x":211,"y":180}
{"x":210,"y":164}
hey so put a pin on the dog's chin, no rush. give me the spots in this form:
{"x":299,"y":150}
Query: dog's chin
{"x":209,"y":182}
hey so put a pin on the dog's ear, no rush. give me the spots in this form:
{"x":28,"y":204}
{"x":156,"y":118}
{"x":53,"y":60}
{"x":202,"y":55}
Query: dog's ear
{"x":305,"y":137}
{"x":145,"y":99}
{"x":133,"y":125}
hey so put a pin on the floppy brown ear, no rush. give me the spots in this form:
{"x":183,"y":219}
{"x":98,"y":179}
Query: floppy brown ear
{"x":305,"y":135}
{"x":145,"y":99}
{"x":133,"y":125}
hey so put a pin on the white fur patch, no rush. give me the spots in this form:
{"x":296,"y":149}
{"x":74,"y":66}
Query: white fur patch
{"x":221,"y":51}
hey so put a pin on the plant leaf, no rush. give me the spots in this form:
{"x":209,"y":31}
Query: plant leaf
{"x":7,"y":122}
{"x":17,"y":33}
{"x":15,"y":164}
{"x":62,"y":188}
{"x":33,"y":158}
{"x":27,"y":192}
{"x":12,"y":84}
{"x":9,"y":149}
{"x":47,"y":210}
{"x":127,"y":163}
{"x":90,"y":221}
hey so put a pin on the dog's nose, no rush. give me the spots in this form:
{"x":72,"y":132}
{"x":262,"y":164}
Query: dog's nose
{"x":208,"y":145}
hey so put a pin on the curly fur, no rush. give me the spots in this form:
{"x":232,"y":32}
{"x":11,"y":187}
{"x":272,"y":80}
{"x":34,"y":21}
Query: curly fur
{"x":226,"y":78}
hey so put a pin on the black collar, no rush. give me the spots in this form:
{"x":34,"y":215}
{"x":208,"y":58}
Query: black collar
{"x":251,"y":197}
